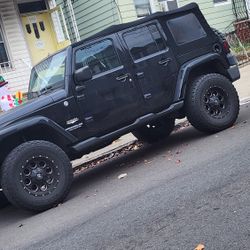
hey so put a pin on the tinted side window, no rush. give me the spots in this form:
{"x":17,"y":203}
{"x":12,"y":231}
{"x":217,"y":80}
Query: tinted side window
{"x":144,"y":41}
{"x":100,"y":57}
{"x":186,"y":29}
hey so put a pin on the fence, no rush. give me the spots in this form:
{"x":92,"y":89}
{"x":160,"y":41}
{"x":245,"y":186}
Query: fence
{"x":238,"y":32}
{"x":238,"y":37}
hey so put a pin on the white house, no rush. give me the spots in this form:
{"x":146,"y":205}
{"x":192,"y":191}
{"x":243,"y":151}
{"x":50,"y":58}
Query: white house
{"x":29,"y":31}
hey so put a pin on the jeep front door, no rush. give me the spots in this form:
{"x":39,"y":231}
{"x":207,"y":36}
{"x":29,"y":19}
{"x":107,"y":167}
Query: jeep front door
{"x":154,"y":64}
{"x":110,"y":99}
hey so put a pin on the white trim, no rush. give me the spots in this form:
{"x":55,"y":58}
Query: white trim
{"x":64,"y":23}
{"x":73,"y":20}
{"x":152,"y":6}
{"x":21,"y":29}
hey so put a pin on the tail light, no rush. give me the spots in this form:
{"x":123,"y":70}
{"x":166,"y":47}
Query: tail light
{"x":226,"y":47}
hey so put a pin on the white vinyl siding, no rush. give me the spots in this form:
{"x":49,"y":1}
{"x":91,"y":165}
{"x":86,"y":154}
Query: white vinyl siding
{"x":18,"y":74}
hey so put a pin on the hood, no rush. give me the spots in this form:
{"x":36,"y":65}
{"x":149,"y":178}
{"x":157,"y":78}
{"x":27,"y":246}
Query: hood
{"x":23,"y":111}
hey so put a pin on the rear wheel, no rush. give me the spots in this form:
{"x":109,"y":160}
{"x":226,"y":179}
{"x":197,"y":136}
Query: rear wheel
{"x":155,"y":131}
{"x":36,"y":175}
{"x":212,"y":103}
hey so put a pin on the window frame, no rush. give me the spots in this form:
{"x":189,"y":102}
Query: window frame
{"x":6,"y":64}
{"x":90,"y":43}
{"x":138,"y":5}
{"x":161,"y":32}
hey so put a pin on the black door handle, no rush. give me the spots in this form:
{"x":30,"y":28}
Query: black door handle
{"x":80,"y":88}
{"x":139,"y":75}
{"x":165,"y":62}
{"x":122,"y":78}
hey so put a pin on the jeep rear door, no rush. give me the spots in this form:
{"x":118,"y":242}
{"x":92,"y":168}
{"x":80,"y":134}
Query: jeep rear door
{"x":110,"y":99}
{"x":154,"y":66}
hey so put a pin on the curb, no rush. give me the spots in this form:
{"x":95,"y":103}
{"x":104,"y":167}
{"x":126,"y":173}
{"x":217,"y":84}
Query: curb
{"x":77,"y":166}
{"x":244,"y":101}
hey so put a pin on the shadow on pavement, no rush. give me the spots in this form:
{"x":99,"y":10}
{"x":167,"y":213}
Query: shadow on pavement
{"x":130,"y":159}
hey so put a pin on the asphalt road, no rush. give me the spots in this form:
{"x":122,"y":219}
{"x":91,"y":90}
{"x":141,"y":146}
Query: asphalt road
{"x":191,"y":189}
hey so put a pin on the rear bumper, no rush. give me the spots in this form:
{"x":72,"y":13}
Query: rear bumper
{"x":234,"y":73}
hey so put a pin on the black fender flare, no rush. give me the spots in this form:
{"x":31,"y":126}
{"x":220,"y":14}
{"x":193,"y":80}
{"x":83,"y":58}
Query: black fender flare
{"x":186,"y":69}
{"x":19,"y":126}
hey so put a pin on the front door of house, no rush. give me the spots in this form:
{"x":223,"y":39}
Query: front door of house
{"x":39,"y":35}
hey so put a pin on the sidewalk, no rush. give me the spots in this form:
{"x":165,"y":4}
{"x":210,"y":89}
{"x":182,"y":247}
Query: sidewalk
{"x":242,"y":86}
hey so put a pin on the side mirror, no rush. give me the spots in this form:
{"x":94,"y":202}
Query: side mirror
{"x":83,"y":74}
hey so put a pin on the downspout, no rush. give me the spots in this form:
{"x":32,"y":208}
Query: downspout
{"x":73,"y":20}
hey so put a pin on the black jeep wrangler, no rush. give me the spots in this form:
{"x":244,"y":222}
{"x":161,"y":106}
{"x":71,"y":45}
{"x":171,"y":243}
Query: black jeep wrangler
{"x":136,"y":77}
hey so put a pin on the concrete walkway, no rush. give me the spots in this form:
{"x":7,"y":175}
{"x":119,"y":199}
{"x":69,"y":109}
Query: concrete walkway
{"x":242,"y":86}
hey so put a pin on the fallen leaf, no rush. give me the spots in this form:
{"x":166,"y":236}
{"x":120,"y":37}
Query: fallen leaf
{"x":21,"y":225}
{"x":121,"y":176}
{"x":200,"y":247}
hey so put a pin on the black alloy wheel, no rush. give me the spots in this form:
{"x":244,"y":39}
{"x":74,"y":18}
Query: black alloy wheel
{"x":216,"y":102}
{"x":36,"y":175}
{"x":211,"y":103}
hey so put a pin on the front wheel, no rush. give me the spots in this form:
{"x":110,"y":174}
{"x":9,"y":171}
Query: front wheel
{"x":212,"y":103}
{"x":155,"y":131}
{"x":37,"y":175}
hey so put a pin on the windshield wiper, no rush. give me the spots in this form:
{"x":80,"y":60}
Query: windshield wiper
{"x":32,"y":94}
{"x":45,"y":90}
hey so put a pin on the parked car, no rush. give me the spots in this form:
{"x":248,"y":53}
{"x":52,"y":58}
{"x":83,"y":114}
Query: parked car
{"x":136,"y":77}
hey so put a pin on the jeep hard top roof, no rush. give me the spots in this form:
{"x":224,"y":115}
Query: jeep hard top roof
{"x":116,"y":28}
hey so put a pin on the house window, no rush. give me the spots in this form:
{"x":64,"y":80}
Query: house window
{"x":142,"y":8}
{"x":32,"y":6}
{"x":221,"y":1}
{"x":3,"y":53}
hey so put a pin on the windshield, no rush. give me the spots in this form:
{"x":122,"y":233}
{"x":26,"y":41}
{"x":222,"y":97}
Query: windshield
{"x":48,"y":75}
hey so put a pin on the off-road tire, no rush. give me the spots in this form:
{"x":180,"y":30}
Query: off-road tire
{"x":27,"y":161}
{"x":200,"y":96}
{"x":155,"y":131}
